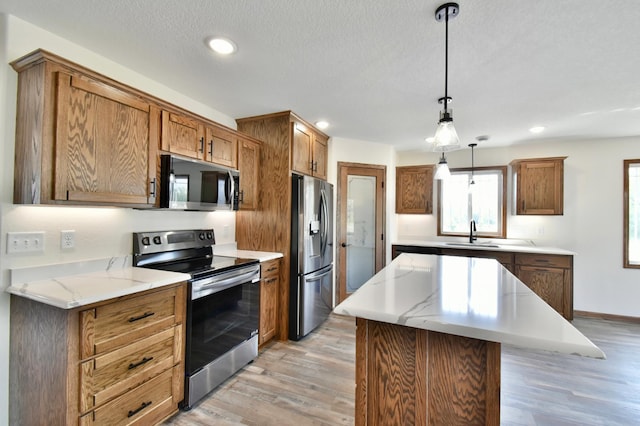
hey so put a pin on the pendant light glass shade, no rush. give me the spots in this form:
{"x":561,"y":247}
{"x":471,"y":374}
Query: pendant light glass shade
{"x":442,"y":169}
{"x":446,"y":138}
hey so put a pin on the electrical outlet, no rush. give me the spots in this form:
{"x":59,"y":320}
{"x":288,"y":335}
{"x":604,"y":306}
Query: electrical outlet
{"x":67,"y":239}
{"x":25,"y":242}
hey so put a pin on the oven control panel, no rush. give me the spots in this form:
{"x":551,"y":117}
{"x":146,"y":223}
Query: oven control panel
{"x":160,"y":241}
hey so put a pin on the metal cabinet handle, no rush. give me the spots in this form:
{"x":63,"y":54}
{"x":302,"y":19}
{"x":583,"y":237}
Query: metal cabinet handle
{"x":143,"y":316}
{"x":202,"y":144}
{"x":139,"y":363}
{"x":210,"y":148}
{"x":137,"y":410}
{"x":241,"y":196}
{"x":152,"y":187}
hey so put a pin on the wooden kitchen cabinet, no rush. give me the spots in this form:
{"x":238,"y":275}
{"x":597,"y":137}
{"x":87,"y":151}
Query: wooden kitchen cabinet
{"x":550,"y":277}
{"x":221,"y":146}
{"x":269,"y":287}
{"x":308,"y":151}
{"x":249,"y":166}
{"x":182,"y":135}
{"x":81,"y":138}
{"x":538,"y":186}
{"x":115,"y":362}
{"x":268,"y":228}
{"x":414,"y":189}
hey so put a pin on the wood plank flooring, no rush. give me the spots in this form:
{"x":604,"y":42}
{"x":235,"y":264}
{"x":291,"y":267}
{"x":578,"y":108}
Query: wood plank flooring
{"x":311,"y":382}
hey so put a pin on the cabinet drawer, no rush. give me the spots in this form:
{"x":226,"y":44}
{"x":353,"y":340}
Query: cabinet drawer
{"x":270,"y":269}
{"x":119,"y":323}
{"x":550,"y":260}
{"x":109,"y":375}
{"x":147,"y":404}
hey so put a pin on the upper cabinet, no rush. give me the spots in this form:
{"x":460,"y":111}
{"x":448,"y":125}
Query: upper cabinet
{"x":308,"y":150}
{"x":414,"y":189}
{"x":538,"y":186}
{"x":81,"y":138}
{"x":182,"y":135}
{"x":84,"y":139}
{"x":248,"y":165}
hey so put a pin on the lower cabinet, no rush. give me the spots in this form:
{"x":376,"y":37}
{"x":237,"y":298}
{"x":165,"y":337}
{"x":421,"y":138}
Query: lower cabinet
{"x":115,"y":362}
{"x":269,"y":285}
{"x":550,"y":276}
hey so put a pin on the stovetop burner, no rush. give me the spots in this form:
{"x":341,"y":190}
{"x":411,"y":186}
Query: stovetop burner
{"x":189,"y":252}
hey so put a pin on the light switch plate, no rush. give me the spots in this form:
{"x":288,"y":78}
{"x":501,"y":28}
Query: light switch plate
{"x":25,"y":242}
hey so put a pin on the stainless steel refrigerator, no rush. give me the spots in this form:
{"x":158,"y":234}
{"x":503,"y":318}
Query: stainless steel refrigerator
{"x":311,"y":280}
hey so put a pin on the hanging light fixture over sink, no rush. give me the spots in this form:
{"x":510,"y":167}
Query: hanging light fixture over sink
{"x":446,"y":137}
{"x":442,"y":169}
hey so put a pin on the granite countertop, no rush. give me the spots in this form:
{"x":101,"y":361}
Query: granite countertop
{"x":470,"y":297}
{"x":490,"y":245}
{"x":79,"y":284}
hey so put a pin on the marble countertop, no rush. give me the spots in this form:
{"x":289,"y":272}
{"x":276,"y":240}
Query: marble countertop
{"x":79,"y":284}
{"x":262,"y":256}
{"x":470,"y":297}
{"x":492,"y":245}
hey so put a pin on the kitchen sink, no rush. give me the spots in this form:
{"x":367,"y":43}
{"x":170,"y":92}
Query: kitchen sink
{"x":462,"y":244}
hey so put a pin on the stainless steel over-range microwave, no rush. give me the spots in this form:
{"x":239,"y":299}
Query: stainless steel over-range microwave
{"x":187,"y":184}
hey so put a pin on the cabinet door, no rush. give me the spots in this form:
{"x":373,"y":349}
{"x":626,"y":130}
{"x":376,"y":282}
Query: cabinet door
{"x":102,"y":145}
{"x":248,"y":163}
{"x":548,"y":283}
{"x":319,"y":157}
{"x":301,"y":154}
{"x":414,"y":189}
{"x":221,"y":147}
{"x":540,"y":187}
{"x":182,"y":135}
{"x":269,"y":300}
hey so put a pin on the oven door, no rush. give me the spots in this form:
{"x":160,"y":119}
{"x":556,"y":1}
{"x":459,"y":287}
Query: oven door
{"x":219,"y":321}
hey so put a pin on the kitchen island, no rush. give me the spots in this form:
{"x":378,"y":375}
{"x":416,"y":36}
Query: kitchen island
{"x":429,"y":335}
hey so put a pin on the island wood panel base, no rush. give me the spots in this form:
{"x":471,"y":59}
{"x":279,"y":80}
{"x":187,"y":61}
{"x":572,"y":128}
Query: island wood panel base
{"x":411,"y":376}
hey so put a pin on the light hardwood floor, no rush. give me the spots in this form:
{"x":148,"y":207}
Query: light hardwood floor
{"x":311,"y":382}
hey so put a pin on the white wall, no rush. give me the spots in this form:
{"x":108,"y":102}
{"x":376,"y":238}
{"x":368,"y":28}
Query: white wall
{"x":100,"y":232}
{"x":592,"y":224}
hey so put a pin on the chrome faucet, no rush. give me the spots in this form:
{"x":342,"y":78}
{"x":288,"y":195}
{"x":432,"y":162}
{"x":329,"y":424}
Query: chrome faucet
{"x":472,"y":231}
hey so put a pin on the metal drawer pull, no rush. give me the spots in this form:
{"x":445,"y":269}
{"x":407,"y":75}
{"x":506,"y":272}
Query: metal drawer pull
{"x":143,"y":316}
{"x":138,"y":364}
{"x":272,"y":269}
{"x":140,"y":408}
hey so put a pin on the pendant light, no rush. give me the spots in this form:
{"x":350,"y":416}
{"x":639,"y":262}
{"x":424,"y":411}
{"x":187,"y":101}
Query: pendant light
{"x":446,"y":137}
{"x":472,"y":184}
{"x":442,"y":169}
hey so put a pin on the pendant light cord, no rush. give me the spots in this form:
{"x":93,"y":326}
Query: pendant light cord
{"x":446,"y":57}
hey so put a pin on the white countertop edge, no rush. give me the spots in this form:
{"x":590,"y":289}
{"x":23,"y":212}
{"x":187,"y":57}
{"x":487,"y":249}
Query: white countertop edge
{"x":262,"y":256}
{"x":479,"y":333}
{"x":488,"y":246}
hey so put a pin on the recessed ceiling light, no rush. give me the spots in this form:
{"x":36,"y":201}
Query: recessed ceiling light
{"x":537,"y":129}
{"x":322,"y":124}
{"x":221,"y":45}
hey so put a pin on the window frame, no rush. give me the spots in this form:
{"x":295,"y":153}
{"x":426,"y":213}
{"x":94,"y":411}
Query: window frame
{"x":503,"y":209}
{"x":626,"y":262}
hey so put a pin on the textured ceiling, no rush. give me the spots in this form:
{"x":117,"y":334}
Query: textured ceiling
{"x":375,"y":68}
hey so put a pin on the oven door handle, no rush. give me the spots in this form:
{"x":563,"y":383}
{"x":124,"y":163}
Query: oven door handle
{"x":215,"y":285}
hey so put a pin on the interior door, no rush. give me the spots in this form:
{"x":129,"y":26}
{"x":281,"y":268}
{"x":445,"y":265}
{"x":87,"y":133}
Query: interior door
{"x":361,"y":219}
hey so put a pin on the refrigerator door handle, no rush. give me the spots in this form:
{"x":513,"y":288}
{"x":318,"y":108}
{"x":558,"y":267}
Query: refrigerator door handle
{"x":317,"y":276}
{"x":325,"y":222}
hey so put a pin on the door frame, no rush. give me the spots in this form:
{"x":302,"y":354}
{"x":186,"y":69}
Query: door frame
{"x":360,"y":169}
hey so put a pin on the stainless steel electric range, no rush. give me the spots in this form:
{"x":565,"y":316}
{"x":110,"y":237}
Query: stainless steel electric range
{"x":223,"y":302}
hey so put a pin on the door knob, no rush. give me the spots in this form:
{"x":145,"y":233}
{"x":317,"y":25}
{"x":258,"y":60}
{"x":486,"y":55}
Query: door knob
{"x":345,"y":244}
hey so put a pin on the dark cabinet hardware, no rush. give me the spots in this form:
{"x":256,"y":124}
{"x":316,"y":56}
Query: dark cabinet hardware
{"x":202,"y":144}
{"x":139,"y":363}
{"x":210,"y":149}
{"x":140,"y":408}
{"x":143,"y":316}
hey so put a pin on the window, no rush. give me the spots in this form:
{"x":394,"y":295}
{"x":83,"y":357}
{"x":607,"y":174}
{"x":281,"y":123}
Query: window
{"x":485,"y":203}
{"x":632,"y":213}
